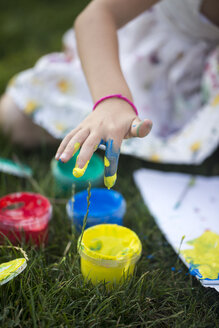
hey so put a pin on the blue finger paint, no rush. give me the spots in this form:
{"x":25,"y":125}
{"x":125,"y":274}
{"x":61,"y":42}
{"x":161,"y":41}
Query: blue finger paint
{"x":113,"y":156}
{"x":102,"y":142}
{"x":102,"y":145}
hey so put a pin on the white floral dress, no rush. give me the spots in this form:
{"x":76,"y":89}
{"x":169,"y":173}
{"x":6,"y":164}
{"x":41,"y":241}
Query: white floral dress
{"x":170,"y":59}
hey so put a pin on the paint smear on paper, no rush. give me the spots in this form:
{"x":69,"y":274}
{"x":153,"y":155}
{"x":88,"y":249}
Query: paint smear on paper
{"x":204,"y":257}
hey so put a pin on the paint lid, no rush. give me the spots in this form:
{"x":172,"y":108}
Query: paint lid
{"x":18,"y":169}
{"x":110,"y":244}
{"x":24,"y":210}
{"x":11,"y":269}
{"x":64,"y":176}
{"x":103,"y":203}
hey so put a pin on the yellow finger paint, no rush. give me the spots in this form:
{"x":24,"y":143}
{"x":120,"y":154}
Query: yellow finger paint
{"x":76,"y":147}
{"x":108,"y":253}
{"x":110,"y":181}
{"x":95,"y":148}
{"x":77,"y":172}
{"x":204,"y":257}
{"x":106,"y":162}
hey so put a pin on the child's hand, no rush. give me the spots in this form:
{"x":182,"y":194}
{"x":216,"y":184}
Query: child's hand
{"x":111,"y":122}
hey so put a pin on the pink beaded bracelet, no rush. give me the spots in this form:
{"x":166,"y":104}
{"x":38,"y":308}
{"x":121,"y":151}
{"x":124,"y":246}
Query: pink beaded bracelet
{"x":116,"y":96}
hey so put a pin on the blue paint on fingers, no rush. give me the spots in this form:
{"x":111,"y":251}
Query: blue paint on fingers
{"x":102,"y":142}
{"x":112,"y":156}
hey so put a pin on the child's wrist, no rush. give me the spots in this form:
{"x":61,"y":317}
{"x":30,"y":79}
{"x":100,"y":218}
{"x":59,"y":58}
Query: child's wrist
{"x":119,"y":96}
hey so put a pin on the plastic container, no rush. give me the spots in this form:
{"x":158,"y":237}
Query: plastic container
{"x":109,"y":253}
{"x":11,"y":269}
{"x":106,"y":206}
{"x":25,"y":216}
{"x":64,"y":178}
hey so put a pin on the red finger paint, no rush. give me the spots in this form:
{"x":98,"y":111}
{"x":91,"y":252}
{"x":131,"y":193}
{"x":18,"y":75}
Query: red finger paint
{"x":25,"y":215}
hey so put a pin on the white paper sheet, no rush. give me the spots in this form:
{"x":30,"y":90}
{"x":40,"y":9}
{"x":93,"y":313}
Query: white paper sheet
{"x":182,"y":205}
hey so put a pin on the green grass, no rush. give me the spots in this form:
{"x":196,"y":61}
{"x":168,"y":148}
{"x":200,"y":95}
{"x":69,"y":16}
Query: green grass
{"x":51,"y":291}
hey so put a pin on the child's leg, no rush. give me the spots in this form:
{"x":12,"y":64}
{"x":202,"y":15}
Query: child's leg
{"x":19,"y":126}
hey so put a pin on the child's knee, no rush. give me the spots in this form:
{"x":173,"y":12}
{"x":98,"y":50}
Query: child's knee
{"x":6,"y":111}
{"x":20,"y":127}
{"x":10,"y":117}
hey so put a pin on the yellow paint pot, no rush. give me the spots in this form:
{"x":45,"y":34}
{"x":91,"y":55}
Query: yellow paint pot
{"x":108,"y":253}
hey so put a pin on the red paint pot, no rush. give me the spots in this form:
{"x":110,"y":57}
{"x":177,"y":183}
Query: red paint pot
{"x":25,"y":216}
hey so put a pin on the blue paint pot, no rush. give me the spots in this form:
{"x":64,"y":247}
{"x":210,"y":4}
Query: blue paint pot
{"x":106,"y":206}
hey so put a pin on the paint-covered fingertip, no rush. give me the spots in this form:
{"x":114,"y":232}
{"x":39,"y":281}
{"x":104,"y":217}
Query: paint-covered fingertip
{"x":110,"y":181}
{"x":63,"y":158}
{"x":77,"y":172}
